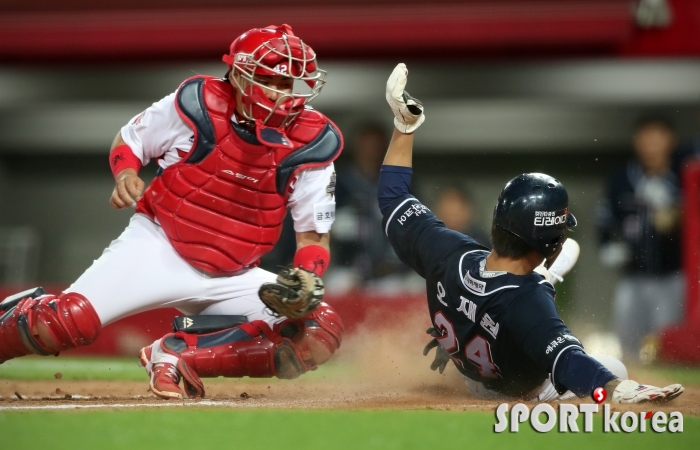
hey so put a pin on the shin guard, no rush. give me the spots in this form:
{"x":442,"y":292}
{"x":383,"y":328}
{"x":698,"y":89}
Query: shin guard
{"x":252,"y":349}
{"x":47,"y":325}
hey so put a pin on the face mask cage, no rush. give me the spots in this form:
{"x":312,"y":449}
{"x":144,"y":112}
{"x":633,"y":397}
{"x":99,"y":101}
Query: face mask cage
{"x":286,"y":56}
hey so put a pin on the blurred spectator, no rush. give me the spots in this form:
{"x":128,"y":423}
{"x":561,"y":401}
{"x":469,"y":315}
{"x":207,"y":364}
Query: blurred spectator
{"x":455,"y":207}
{"x":639,"y":224}
{"x":359,"y":246}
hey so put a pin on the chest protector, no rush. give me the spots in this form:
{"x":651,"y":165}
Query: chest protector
{"x":222,"y":206}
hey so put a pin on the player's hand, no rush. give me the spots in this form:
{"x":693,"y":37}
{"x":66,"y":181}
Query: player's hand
{"x":128,"y":189}
{"x":629,"y":391}
{"x":441,"y":355}
{"x":408,"y":111}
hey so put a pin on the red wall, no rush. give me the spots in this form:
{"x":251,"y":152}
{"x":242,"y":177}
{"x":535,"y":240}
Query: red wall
{"x":681,"y":38}
{"x":442,"y":29}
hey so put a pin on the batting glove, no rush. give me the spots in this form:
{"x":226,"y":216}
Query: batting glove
{"x":563,"y":264}
{"x":408,"y":111}
{"x":632,"y":392}
{"x":441,"y":355}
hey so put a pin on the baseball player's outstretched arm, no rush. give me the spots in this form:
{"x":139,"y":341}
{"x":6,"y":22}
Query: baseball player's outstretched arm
{"x":419,"y":239}
{"x":400,"y":152}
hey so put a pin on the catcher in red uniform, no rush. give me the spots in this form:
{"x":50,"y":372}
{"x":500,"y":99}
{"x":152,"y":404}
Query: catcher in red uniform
{"x":234,"y":154}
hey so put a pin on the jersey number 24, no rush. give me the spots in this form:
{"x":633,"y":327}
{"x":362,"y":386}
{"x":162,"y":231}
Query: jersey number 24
{"x":477,"y":351}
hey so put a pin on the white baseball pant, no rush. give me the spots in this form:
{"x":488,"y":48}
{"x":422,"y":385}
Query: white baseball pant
{"x":140,"y":271}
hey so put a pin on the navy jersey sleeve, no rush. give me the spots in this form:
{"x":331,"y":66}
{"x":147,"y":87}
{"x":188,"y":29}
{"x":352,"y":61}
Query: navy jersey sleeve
{"x":537,"y":329}
{"x":420,"y":240}
{"x":579,"y":373}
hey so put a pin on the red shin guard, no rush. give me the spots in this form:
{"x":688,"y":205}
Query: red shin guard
{"x":253,"y":349}
{"x":48,"y":325}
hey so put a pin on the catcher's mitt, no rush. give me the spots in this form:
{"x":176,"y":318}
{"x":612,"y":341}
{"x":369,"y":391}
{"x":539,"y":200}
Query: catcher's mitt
{"x":297,"y":293}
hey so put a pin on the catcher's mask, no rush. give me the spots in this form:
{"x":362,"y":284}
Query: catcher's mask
{"x":271,"y":51}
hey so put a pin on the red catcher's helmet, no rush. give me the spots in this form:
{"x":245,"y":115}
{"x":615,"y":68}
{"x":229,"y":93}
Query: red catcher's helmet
{"x":273,"y":50}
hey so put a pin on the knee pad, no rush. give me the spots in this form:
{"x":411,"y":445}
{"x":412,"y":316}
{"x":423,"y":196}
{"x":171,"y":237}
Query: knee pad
{"x":48,"y":325}
{"x":317,"y":336}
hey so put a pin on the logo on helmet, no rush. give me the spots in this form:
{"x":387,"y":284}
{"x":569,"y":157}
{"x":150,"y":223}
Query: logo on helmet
{"x":281,"y":69}
{"x":550,"y":218}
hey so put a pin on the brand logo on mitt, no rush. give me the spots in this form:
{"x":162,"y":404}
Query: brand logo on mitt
{"x":187,"y":322}
{"x":628,"y":422}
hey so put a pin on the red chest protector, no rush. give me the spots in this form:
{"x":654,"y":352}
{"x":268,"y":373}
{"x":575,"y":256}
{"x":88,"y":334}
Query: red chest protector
{"x":222,"y":206}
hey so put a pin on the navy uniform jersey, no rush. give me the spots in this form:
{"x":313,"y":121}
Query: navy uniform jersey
{"x":501,"y":329}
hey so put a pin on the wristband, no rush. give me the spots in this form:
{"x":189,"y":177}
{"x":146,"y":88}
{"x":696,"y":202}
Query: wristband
{"x":122,"y":157}
{"x":313,"y":258}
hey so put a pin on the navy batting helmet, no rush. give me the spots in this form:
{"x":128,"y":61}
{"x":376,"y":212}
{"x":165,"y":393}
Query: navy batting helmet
{"x":535,"y":207}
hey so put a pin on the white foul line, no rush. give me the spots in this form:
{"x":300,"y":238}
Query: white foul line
{"x":165,"y":404}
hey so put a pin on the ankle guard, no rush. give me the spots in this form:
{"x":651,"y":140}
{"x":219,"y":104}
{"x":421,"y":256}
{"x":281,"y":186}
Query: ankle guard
{"x":47,"y":325}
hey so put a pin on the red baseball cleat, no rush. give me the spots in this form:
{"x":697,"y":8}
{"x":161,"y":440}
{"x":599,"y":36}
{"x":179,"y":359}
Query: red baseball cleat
{"x":165,"y":378}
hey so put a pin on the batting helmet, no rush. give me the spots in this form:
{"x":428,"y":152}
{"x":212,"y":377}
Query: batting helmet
{"x":535,"y":207}
{"x":271,"y":51}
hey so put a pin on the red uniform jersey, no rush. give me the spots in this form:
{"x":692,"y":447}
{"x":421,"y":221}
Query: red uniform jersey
{"x":223,"y":205}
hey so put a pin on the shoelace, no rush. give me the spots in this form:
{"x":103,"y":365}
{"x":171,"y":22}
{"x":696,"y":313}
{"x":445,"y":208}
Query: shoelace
{"x":171,"y":372}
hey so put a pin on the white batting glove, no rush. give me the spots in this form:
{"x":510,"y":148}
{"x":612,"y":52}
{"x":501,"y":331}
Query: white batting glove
{"x":632,"y":392}
{"x":563,"y":264}
{"x":408,"y":110}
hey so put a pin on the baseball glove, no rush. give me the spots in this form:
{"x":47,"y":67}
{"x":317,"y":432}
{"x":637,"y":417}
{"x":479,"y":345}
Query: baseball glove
{"x":297,"y":293}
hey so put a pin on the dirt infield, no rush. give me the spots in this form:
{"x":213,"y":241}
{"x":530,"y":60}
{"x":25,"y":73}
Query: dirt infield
{"x":288,"y":395}
{"x":377,"y":368}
